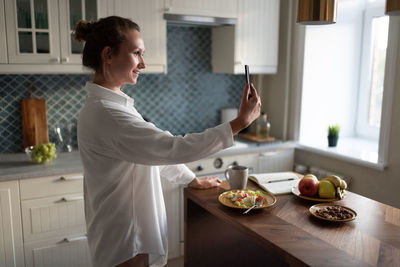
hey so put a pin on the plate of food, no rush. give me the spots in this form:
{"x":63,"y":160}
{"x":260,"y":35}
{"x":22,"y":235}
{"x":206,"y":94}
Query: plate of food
{"x":244,"y":199}
{"x":329,"y":189}
{"x":333,"y":213}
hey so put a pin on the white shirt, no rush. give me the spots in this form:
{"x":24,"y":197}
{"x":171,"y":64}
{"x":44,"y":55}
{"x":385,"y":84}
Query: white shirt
{"x":121,"y":155}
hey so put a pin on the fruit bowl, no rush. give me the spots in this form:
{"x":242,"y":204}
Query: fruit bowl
{"x":43,"y":153}
{"x":297,"y":193}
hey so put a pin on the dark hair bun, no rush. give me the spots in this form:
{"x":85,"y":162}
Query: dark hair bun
{"x":83,"y":29}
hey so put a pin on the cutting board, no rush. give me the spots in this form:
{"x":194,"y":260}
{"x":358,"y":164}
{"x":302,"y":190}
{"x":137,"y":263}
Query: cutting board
{"x":34,"y":121}
{"x":254,"y":138}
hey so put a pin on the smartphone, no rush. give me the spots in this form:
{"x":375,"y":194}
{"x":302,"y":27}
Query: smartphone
{"x":246,"y":70}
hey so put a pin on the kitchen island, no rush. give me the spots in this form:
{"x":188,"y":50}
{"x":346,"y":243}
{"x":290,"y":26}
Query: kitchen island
{"x":286,"y":234}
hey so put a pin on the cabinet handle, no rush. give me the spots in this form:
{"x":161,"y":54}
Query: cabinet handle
{"x":65,"y":59}
{"x":74,"y":239}
{"x":56,"y":60}
{"x":68,"y":199}
{"x":71,"y":177}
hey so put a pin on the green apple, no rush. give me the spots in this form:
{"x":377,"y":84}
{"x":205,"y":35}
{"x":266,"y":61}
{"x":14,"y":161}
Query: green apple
{"x":326,"y":189}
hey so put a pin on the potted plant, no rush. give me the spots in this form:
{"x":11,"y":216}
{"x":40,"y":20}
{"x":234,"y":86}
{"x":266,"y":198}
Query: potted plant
{"x":333,"y":135}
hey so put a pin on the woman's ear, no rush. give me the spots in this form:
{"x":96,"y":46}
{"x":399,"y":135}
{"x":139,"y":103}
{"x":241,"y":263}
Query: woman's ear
{"x":106,"y":54}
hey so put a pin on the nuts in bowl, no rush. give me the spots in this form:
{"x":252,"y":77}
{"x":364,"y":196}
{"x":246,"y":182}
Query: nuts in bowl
{"x":335,"y":213}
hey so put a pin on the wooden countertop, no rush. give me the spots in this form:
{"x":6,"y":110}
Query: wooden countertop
{"x":288,"y":230}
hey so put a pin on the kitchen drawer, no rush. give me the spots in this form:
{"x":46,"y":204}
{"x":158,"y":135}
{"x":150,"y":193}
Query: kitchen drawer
{"x":53,"y":217}
{"x":51,"y":186}
{"x":71,"y":251}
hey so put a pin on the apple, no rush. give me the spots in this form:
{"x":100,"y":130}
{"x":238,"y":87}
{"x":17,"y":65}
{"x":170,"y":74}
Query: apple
{"x":326,"y":189}
{"x":311,"y":176}
{"x":308,"y":186}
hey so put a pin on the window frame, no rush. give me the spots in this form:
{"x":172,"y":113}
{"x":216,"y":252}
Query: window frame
{"x":362,"y":128}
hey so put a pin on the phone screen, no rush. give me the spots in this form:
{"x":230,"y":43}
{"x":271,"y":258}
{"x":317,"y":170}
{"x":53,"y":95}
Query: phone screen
{"x":246,"y":70}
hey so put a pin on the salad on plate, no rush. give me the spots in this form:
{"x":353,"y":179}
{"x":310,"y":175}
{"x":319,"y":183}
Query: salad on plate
{"x":245,"y":198}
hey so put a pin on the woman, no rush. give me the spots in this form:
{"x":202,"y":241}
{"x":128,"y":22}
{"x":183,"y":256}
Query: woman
{"x":124,"y":156}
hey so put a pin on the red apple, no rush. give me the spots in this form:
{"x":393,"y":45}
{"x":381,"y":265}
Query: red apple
{"x":308,"y":186}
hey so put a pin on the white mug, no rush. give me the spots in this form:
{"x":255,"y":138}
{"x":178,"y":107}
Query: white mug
{"x":237,"y":176}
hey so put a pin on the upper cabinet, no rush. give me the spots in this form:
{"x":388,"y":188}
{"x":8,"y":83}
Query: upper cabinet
{"x":220,"y":8}
{"x":253,"y":41}
{"x":32,"y":31}
{"x":3,"y":42}
{"x":72,"y":11}
{"x":40,"y":32}
{"x":148,"y":14}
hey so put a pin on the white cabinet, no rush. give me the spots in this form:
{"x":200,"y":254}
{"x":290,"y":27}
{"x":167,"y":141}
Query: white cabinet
{"x":253,"y":41}
{"x":39,"y":35}
{"x":32,"y":31}
{"x":148,"y":14}
{"x":69,"y":252}
{"x":220,"y":8}
{"x":3,"y":42}
{"x":11,"y":246}
{"x":171,"y":194}
{"x":281,"y":160}
{"x":53,"y":221}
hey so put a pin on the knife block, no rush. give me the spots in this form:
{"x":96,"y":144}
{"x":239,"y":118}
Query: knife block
{"x":34,"y":121}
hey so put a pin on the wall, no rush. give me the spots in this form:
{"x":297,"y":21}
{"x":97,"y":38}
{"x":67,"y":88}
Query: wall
{"x":187,"y":99}
{"x":277,"y":90}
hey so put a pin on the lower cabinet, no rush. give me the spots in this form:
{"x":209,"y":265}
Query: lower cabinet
{"x":172,"y":200}
{"x":11,"y":246}
{"x":53,"y":221}
{"x":281,"y":160}
{"x":70,"y":251}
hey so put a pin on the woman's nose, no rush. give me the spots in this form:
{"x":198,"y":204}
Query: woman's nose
{"x":141,"y":64}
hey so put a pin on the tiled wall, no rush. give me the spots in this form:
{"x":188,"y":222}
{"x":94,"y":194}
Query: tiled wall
{"x":187,"y":99}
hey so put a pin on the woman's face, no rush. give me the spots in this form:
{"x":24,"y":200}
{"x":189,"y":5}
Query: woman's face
{"x":127,"y":64}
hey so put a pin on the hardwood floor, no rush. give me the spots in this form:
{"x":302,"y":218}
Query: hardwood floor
{"x":178,"y":262}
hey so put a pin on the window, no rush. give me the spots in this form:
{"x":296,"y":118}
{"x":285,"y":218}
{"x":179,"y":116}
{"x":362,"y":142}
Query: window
{"x":372,"y":73}
{"x":343,"y":73}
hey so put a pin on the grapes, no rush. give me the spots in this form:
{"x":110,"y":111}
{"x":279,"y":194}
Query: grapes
{"x":44,"y":153}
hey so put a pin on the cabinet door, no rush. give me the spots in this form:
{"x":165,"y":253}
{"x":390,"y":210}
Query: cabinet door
{"x":32,"y":31}
{"x":66,"y":252}
{"x":149,"y":15}
{"x":172,"y":200}
{"x":276,"y":161}
{"x":53,"y":216}
{"x":253,"y":41}
{"x":220,"y":8}
{"x":3,"y":42}
{"x":11,"y":249}
{"x":257,"y":36}
{"x":71,"y":11}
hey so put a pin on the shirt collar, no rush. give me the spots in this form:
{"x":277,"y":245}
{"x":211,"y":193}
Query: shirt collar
{"x":107,"y":94}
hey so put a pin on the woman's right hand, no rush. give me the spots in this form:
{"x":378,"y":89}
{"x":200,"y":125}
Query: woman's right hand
{"x":249,"y":110}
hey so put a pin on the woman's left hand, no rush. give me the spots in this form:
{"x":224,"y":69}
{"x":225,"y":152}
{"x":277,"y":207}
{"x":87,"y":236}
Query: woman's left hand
{"x":205,"y":183}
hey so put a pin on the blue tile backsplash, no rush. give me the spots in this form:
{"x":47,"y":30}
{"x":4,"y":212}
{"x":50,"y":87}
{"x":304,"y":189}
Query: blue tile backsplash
{"x":187,"y":99}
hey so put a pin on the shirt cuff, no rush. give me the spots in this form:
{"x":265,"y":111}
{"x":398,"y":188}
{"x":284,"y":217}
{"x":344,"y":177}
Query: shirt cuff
{"x":186,"y":174}
{"x":226,"y":130}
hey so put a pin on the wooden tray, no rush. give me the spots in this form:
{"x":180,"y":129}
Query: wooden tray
{"x":254,"y":138}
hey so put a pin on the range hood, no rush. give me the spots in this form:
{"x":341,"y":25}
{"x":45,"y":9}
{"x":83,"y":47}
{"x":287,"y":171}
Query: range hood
{"x":198,"y":20}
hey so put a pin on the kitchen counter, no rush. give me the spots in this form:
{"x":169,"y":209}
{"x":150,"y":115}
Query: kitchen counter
{"x":243,"y":146}
{"x":19,"y":166}
{"x":287,"y":234}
